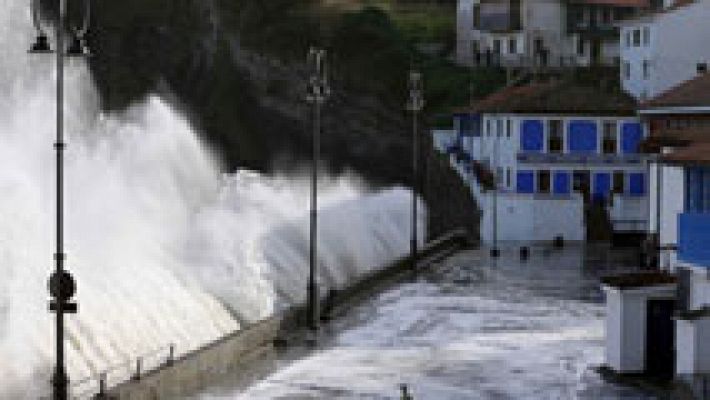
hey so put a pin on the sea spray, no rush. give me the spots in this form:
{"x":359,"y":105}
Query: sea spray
{"x":165,"y":247}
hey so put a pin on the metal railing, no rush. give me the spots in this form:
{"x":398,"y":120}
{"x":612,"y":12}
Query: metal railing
{"x":96,"y":386}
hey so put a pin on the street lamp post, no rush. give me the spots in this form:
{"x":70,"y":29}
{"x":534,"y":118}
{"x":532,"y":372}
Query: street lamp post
{"x":62,"y":286}
{"x":415,"y":105}
{"x":318,"y":92}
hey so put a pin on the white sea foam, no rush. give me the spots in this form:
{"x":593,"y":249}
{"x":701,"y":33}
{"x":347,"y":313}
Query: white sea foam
{"x":165,"y":247}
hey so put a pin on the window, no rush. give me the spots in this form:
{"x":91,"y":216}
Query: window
{"x":543,"y":181}
{"x":607,"y":16}
{"x":609,"y":138}
{"x":507,"y":177}
{"x":637,"y":37}
{"x":555,"y":136}
{"x":581,"y":181}
{"x":508,"y":127}
{"x":702,"y":68}
{"x":697,"y":190}
{"x":476,"y":15}
{"x":512,"y":46}
{"x":499,"y":127}
{"x":646,"y":69}
{"x":646,"y":36}
{"x":580,"y":47}
{"x":619,"y":182}
{"x":496,"y":46}
{"x":628,"y":38}
{"x":488,"y":127}
{"x":627,"y":70}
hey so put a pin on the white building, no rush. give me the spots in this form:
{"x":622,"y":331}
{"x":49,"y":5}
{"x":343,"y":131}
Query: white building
{"x":663,"y":320}
{"x":541,"y":33}
{"x":555,"y":148}
{"x":662,"y":49}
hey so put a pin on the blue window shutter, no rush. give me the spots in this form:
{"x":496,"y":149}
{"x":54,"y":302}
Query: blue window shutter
{"x":637,"y":184}
{"x":562,"y":183}
{"x":631,"y":134}
{"x":582,"y":137}
{"x":602,"y":185}
{"x":532,"y":136}
{"x":526,"y":182}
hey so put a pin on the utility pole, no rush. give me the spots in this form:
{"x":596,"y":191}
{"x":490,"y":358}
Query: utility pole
{"x":62,"y":286}
{"x":318,"y":92}
{"x":415,"y":105}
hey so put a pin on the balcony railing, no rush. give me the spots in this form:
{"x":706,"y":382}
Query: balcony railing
{"x":693,"y":238}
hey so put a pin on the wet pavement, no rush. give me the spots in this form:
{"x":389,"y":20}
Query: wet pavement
{"x":469,"y":328}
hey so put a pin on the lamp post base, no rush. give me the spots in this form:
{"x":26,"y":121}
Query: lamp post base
{"x":60,"y":382}
{"x":414,"y":254}
{"x":313,"y":309}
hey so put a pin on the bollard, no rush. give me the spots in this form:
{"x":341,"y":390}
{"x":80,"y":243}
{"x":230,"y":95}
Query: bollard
{"x":171,"y":355}
{"x":495,"y":252}
{"x":405,"y":392}
{"x":102,"y":386}
{"x":137,"y":376}
{"x":559,"y":242}
{"x":524,"y":253}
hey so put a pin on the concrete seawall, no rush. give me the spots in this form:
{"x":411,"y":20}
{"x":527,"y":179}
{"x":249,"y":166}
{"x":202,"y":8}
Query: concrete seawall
{"x":198,"y":370}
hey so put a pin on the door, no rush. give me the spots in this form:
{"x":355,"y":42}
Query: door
{"x":660,"y":338}
{"x":596,"y":52}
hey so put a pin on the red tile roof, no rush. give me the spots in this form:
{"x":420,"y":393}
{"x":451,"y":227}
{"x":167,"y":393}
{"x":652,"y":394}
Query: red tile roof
{"x":556,"y":97}
{"x":694,"y":154}
{"x":675,"y":138}
{"x":692,"y":93}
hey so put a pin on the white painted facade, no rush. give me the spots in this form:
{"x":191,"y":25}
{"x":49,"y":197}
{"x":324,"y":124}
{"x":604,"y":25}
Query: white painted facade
{"x":627,"y":310}
{"x":544,"y":22}
{"x":540,"y":216}
{"x":662,"y":50}
{"x":672,"y":200}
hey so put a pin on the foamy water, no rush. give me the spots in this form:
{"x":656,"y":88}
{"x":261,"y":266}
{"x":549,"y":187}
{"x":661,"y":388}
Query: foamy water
{"x":165,"y":247}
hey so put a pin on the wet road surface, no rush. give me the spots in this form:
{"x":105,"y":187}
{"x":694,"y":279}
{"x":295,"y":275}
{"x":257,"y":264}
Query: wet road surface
{"x":469,"y":328}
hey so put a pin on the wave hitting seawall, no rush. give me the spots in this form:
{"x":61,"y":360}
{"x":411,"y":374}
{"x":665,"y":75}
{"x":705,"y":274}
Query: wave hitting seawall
{"x":165,"y":247}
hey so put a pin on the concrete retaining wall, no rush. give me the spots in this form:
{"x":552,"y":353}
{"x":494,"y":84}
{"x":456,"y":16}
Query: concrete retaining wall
{"x":198,"y":370}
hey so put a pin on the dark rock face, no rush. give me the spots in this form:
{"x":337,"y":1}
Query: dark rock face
{"x":245,"y":94}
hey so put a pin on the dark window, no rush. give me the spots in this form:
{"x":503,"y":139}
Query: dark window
{"x":476,"y":16}
{"x":512,"y":46}
{"x":609,"y":139}
{"x":646,"y":69}
{"x":702,"y":68}
{"x":555,"y":142}
{"x":697,"y":184}
{"x":496,"y":46}
{"x":507,"y":178}
{"x":637,"y":37}
{"x":581,"y":181}
{"x":628,"y":39}
{"x":627,"y":70}
{"x":543,"y":181}
{"x":619,"y":182}
{"x":580,"y":46}
{"x":646,"y":36}
{"x":508,"y":128}
{"x":607,"y":16}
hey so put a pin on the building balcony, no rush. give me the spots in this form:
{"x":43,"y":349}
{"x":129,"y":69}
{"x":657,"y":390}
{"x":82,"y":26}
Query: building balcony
{"x":527,"y":157}
{"x":593,"y":31}
{"x":693,"y":238}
